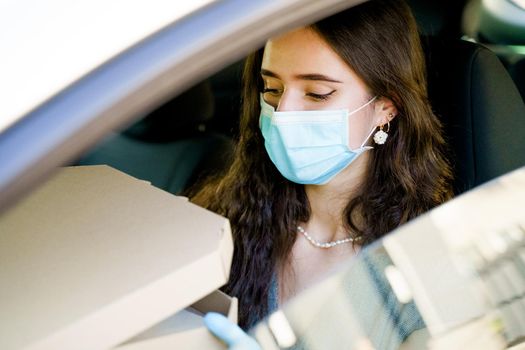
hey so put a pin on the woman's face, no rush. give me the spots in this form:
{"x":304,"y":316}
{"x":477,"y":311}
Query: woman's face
{"x":302,"y":72}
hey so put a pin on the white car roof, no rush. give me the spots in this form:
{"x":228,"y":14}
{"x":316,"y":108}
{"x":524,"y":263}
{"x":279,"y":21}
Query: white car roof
{"x":48,"y":44}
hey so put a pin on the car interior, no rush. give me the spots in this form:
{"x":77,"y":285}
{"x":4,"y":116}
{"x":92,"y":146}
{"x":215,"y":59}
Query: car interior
{"x":476,"y":88}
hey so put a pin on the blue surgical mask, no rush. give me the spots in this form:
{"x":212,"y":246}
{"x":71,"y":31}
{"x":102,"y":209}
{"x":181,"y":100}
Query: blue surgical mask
{"x":309,"y":147}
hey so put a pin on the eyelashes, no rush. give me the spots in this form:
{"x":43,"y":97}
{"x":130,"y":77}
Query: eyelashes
{"x":320,"y":97}
{"x":317,"y":97}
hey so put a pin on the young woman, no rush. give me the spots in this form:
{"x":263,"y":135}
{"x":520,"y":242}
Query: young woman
{"x":338,"y":146}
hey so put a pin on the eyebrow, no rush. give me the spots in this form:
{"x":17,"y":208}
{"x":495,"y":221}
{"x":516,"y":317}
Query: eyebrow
{"x":315,"y":77}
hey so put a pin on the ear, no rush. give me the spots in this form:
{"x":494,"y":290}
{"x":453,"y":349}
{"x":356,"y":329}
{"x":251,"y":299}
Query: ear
{"x":385,"y":111}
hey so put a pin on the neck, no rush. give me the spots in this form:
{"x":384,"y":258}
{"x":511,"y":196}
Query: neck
{"x":328,"y":202}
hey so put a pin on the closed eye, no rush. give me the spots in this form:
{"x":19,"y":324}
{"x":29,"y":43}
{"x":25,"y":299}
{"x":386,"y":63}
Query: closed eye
{"x":320,"y":97}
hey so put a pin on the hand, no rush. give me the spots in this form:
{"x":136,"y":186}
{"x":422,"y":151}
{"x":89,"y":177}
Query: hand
{"x":229,"y":332}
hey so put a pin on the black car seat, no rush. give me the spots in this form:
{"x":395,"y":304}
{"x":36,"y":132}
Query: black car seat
{"x":226,"y":87}
{"x":438,"y":17}
{"x":481,"y":109}
{"x":172,"y":147}
{"x":517,"y":71}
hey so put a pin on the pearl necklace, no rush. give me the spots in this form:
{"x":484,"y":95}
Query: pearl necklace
{"x":323,"y":244}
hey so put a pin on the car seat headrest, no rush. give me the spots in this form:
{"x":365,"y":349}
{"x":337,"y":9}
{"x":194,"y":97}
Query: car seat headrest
{"x":438,"y":17}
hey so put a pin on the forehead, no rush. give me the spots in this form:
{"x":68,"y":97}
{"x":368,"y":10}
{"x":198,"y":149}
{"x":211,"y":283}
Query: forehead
{"x":302,"y":51}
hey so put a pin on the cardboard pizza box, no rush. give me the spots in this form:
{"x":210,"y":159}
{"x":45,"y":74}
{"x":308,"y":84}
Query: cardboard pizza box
{"x":95,"y":257}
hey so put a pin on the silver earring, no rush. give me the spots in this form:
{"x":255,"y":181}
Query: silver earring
{"x":380,"y":136}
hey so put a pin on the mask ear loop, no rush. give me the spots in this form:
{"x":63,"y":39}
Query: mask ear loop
{"x":373,"y":129}
{"x":366,"y":140}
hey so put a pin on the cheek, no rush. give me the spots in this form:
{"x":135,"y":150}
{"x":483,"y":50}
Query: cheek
{"x":271,"y":100}
{"x":359,"y":127}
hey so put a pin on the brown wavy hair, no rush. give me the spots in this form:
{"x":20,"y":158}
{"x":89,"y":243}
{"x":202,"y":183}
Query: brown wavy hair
{"x":405,"y":177}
